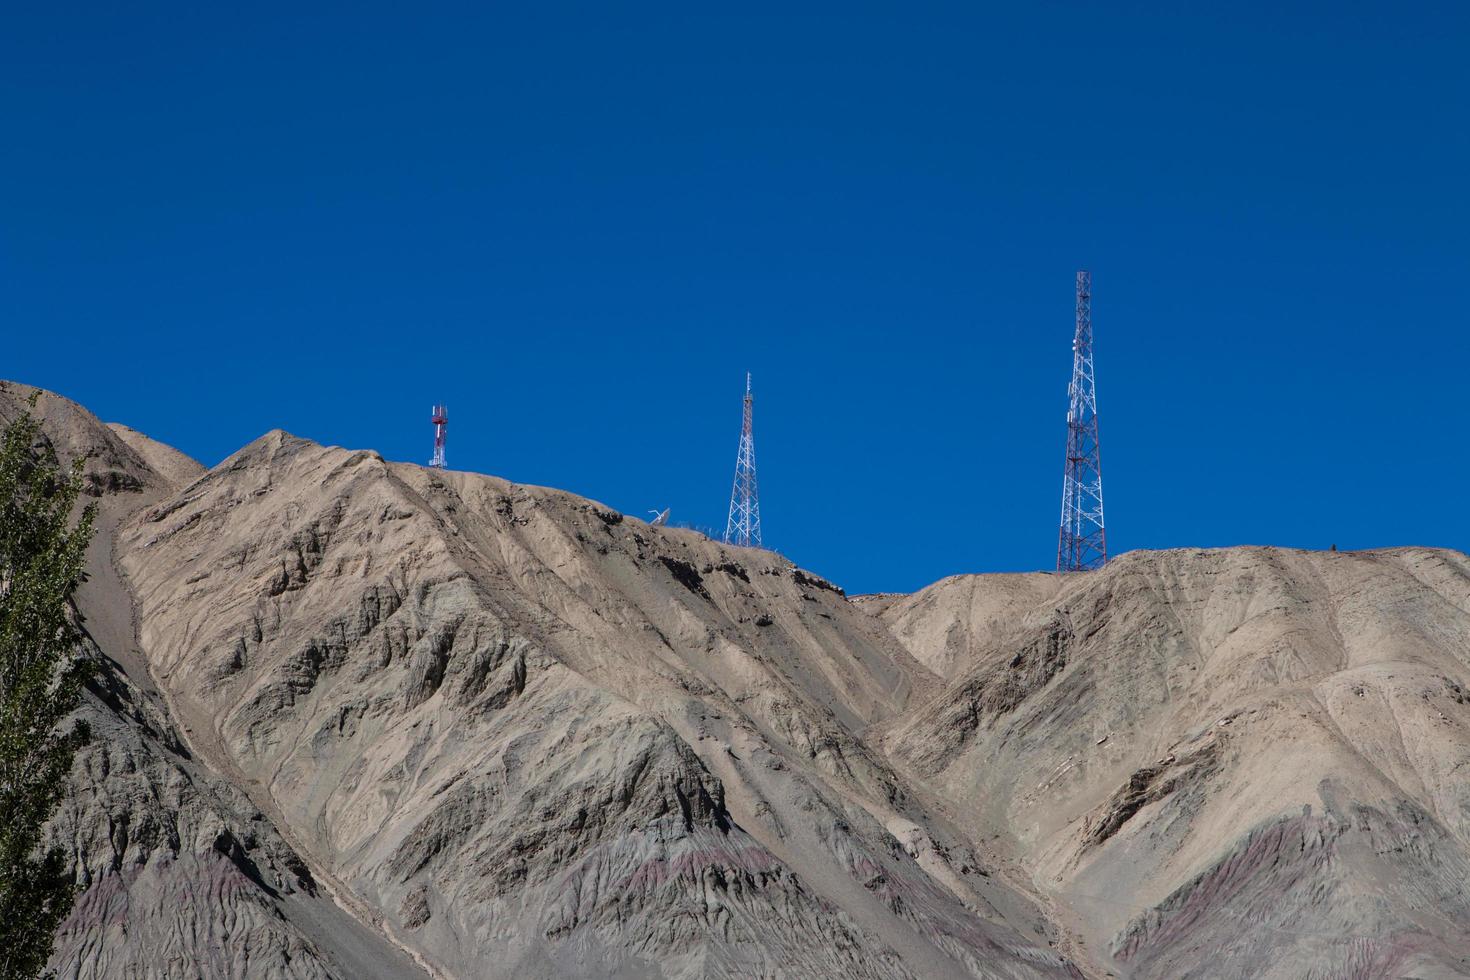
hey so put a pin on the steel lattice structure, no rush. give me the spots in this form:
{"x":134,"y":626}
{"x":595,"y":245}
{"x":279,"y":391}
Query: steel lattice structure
{"x":1083,"y":543}
{"x":441,"y":429}
{"x":744,"y":525}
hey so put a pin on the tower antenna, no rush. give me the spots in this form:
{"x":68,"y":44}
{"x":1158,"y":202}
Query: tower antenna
{"x":744,"y":526}
{"x":1083,"y":543}
{"x":441,"y":428}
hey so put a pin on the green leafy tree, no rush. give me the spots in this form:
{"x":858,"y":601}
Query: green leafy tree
{"x":42,"y":560}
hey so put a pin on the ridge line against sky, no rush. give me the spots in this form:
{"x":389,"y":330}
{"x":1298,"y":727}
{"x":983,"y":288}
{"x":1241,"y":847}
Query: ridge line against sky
{"x":579,"y":228}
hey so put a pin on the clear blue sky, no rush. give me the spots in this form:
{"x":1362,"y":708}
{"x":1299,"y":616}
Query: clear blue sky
{"x":581,"y":227}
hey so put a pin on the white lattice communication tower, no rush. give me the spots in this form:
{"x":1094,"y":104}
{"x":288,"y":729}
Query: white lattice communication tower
{"x":744,"y":526}
{"x":1083,"y":543}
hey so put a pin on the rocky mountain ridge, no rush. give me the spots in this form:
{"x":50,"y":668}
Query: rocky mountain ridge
{"x":369,"y":719}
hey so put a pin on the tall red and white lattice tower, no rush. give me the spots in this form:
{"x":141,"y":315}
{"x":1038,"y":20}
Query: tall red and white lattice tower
{"x":744,"y":526}
{"x":441,"y":429}
{"x":1083,"y":543}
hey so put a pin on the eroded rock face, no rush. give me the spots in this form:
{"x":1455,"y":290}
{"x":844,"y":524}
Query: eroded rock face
{"x":1239,"y":763}
{"x":540,"y":741}
{"x":366,"y":719}
{"x":181,"y":875}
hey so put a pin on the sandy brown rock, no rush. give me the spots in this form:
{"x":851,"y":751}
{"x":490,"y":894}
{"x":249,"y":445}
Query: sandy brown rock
{"x":166,"y":461}
{"x":1240,"y":763}
{"x":181,"y":875}
{"x":378,"y":720}
{"x":549,"y":740}
{"x":946,"y":624}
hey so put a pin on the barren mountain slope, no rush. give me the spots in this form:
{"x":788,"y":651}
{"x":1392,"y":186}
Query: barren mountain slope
{"x":1241,"y":763}
{"x":167,"y":462}
{"x":943,"y":625}
{"x":182,"y":876}
{"x":540,"y":739}
{"x":515,"y":734}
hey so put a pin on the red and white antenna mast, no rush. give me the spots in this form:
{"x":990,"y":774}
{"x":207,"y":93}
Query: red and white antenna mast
{"x":441,"y":428}
{"x":744,"y":525}
{"x":1083,"y":543}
